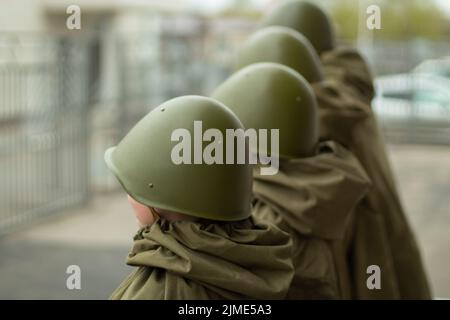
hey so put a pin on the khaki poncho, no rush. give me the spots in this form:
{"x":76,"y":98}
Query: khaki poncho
{"x":382,"y":235}
{"x":205,"y":260}
{"x":312,"y":199}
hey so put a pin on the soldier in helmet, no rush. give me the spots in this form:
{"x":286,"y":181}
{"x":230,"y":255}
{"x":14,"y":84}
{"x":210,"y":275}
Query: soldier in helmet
{"x":381,"y":233}
{"x":306,"y":18}
{"x":288,"y":47}
{"x":284,"y":46}
{"x":317,"y":185}
{"x":197,"y":240}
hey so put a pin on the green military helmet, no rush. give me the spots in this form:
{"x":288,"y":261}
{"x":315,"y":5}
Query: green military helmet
{"x":144,"y":164}
{"x":306,"y":18}
{"x":282,"y":45}
{"x":273,"y":96}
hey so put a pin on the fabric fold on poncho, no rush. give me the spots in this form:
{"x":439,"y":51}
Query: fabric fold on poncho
{"x":204,"y":260}
{"x":312,"y":199}
{"x":346,"y":66}
{"x":382,"y":234}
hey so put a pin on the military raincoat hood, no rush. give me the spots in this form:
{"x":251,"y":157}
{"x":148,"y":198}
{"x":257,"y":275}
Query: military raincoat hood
{"x":382,"y":235}
{"x":312,"y":199}
{"x":207,"y":260}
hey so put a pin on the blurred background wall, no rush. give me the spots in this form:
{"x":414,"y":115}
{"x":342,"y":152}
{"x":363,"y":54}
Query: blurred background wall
{"x":67,"y":95}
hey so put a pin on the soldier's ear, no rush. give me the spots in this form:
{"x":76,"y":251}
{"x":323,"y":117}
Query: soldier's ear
{"x":144,"y":214}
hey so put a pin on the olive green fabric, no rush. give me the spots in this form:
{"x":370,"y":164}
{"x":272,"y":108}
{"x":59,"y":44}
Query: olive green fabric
{"x":346,"y":66}
{"x":281,"y":45}
{"x":382,"y":235}
{"x":306,"y":18}
{"x":203,"y":260}
{"x":313,"y":199}
{"x":143,"y":163}
{"x":272,"y":96}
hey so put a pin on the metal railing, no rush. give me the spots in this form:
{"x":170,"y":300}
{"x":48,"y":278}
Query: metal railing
{"x":44,"y":134}
{"x":63,"y":101}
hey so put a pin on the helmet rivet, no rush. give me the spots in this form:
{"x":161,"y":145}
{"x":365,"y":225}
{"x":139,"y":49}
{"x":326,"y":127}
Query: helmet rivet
{"x":162,"y":109}
{"x":298,"y":98}
{"x":150,"y":185}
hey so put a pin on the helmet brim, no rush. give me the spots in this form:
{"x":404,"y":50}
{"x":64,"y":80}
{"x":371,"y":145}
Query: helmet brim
{"x":109,"y":159}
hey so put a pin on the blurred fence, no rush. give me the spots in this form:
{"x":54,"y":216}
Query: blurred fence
{"x":64,"y":100}
{"x":44,"y":149}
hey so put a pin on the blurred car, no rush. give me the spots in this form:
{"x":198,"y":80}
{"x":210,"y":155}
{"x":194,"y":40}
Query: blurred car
{"x":418,"y":97}
{"x":415,"y":107}
{"x":440,"y":67}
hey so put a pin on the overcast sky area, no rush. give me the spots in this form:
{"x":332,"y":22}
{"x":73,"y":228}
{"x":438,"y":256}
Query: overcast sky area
{"x":215,"y":5}
{"x":445,"y":5}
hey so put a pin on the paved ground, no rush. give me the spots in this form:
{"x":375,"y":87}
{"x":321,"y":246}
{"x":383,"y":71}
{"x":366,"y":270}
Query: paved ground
{"x":423,"y":177}
{"x":97,"y":238}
